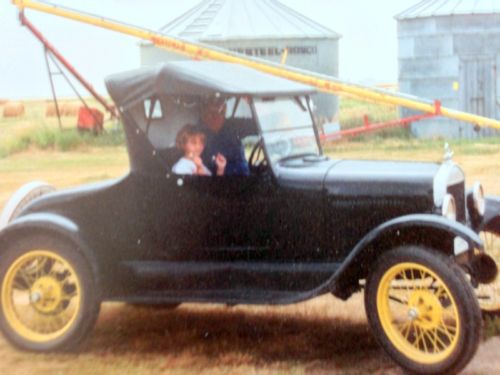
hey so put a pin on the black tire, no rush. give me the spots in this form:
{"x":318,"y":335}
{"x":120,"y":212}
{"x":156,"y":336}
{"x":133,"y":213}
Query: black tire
{"x":488,"y":295}
{"x":423,"y":311}
{"x":49,"y":300}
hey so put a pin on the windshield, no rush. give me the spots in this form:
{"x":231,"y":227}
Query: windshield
{"x":287,"y":128}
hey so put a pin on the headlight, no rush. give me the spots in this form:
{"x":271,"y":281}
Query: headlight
{"x":478,"y":198}
{"x":449,"y":208}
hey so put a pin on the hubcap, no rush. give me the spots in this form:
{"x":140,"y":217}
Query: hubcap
{"x":425,"y":308}
{"x":46,"y":295}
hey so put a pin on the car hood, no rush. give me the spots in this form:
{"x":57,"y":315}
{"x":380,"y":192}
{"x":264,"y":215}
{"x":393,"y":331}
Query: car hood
{"x":363,"y":178}
{"x":358,"y":177}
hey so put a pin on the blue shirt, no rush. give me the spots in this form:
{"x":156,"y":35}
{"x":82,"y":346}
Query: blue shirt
{"x":226,"y":142}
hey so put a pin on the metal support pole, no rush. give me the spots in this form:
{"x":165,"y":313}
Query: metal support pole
{"x":54,"y":96}
{"x":48,"y":46}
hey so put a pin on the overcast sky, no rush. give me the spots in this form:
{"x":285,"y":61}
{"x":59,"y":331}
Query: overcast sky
{"x":368,"y":48}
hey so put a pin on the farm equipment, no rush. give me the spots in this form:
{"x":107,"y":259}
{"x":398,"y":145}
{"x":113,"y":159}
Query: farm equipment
{"x":323,"y":83}
{"x":88,"y":118}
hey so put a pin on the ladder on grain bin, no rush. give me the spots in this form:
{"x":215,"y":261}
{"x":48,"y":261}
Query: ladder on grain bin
{"x":324,"y":83}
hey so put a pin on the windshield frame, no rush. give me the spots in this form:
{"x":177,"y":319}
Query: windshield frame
{"x":261,"y":132}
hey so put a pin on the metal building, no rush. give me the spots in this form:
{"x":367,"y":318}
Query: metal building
{"x":449,"y":50}
{"x":259,"y":28}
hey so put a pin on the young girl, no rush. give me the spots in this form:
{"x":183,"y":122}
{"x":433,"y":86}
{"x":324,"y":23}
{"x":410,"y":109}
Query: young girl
{"x":191,"y":141}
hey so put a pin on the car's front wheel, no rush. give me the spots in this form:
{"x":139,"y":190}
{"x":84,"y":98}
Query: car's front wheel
{"x":48,"y":295}
{"x":423,"y":311}
{"x":489,"y":294}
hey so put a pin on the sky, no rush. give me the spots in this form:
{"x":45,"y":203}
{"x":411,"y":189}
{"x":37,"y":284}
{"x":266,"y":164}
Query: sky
{"x":368,"y":47}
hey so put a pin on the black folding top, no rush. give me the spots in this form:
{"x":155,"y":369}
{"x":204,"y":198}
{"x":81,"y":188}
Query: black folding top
{"x":197,"y":78}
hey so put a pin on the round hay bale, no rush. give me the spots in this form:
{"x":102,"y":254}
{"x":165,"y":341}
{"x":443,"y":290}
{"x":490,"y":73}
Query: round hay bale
{"x":3,"y":101}
{"x":13,"y":109}
{"x":69,"y":109}
{"x":50,"y":110}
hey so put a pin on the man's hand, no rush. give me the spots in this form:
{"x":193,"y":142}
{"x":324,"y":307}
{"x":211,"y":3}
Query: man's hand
{"x":220,"y":162}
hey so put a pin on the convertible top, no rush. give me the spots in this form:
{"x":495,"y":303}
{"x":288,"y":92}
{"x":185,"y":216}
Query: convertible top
{"x":197,"y":78}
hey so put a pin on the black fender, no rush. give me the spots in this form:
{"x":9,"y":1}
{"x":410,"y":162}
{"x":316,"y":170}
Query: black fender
{"x":52,"y":224}
{"x":355,"y":266}
{"x":491,"y":219}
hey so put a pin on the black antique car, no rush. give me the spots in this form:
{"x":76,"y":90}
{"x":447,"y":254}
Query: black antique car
{"x":300,"y":225}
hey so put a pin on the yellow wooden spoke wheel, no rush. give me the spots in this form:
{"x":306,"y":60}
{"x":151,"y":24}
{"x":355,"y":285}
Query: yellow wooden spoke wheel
{"x":422,"y":310}
{"x":489,"y":294}
{"x":41,"y":296}
{"x":418,"y":313}
{"x":48,"y":298}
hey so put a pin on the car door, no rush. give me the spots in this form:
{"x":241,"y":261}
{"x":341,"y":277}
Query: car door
{"x":234,"y":217}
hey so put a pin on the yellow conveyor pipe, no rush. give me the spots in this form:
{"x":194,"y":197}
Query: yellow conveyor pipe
{"x":324,"y":83}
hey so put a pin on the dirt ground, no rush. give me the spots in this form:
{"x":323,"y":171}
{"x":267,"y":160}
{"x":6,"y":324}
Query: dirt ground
{"x":320,"y":336}
{"x":325,"y":335}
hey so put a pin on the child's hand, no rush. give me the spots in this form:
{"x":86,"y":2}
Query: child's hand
{"x":197,"y":161}
{"x":220,"y":162}
{"x":200,"y":168}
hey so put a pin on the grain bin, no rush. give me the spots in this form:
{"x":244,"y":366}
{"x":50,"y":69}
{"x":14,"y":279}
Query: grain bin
{"x":449,"y":50}
{"x":258,"y":28}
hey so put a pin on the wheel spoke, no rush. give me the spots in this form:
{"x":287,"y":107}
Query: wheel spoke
{"x":28,"y":279}
{"x":440,"y":341}
{"x":424,"y":340}
{"x":407,"y":334}
{"x":416,"y":338}
{"x":445,"y":331}
{"x":398,"y":300}
{"x":19,"y":284}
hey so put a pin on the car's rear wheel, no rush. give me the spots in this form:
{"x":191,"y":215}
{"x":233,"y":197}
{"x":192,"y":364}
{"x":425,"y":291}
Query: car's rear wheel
{"x":489,"y":294}
{"x":423,"y":311}
{"x":48,"y":296}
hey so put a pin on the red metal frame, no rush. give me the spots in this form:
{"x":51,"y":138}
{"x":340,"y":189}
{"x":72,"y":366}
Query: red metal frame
{"x":24,"y":21}
{"x":370,"y":128}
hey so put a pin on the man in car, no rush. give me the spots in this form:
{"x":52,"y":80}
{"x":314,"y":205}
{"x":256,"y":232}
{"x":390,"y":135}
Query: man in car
{"x":222,"y":139}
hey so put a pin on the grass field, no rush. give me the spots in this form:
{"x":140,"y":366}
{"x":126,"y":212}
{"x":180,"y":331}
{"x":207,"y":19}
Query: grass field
{"x":320,"y":336}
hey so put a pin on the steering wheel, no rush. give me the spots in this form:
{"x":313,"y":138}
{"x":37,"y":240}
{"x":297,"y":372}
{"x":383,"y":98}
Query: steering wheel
{"x":257,"y":161}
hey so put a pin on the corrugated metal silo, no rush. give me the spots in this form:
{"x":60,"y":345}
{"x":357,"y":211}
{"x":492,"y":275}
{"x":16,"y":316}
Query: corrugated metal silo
{"x":449,"y":50}
{"x":259,"y":28}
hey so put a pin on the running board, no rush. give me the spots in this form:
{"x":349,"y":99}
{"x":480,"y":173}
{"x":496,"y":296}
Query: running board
{"x":226,"y":282}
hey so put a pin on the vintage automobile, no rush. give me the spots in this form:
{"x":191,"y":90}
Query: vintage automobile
{"x":301,"y":225}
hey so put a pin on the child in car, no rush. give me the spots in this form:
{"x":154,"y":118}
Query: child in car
{"x":191,"y":141}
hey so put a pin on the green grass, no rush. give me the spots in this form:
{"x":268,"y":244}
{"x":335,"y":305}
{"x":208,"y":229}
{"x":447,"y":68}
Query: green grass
{"x":45,"y":138}
{"x":352,"y":112}
{"x":36,"y":131}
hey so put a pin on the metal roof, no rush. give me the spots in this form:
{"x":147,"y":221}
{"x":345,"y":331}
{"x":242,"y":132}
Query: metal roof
{"x":244,"y":19}
{"x":197,"y":78}
{"x":431,"y":8}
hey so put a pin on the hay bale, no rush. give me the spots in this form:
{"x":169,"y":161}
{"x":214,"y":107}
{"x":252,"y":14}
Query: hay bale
{"x":13,"y":109}
{"x":3,"y":101}
{"x":65,"y":109}
{"x":50,"y":110}
{"x":69,"y":109}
